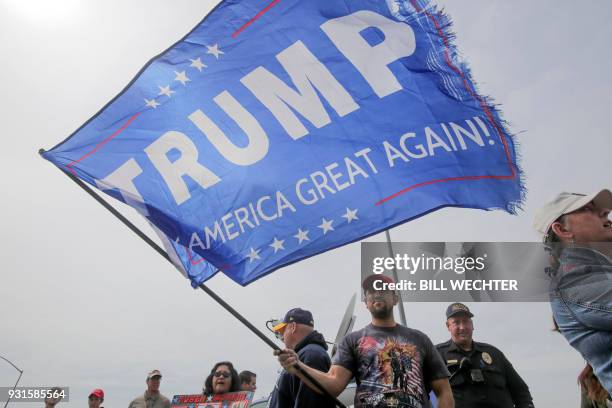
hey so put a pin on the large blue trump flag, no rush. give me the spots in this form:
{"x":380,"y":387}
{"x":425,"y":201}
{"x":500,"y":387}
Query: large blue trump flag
{"x":276,"y":131}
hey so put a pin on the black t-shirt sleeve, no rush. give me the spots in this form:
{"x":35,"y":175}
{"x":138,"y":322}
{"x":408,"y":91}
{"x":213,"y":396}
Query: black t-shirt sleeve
{"x":345,"y":355}
{"x":434,"y":367}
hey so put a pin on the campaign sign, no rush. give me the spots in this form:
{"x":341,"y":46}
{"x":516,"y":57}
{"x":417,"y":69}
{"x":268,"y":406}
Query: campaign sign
{"x":240,"y":399}
{"x":275,"y":131}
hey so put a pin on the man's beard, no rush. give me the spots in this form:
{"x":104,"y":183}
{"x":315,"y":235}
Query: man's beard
{"x":382,"y":313}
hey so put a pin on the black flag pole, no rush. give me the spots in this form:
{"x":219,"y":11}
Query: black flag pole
{"x":206,"y":289}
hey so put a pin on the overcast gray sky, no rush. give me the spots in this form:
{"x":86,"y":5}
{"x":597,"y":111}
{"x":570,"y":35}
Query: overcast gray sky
{"x":85,"y":303}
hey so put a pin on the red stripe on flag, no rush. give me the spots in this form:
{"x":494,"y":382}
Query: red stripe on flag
{"x":483,"y":105}
{"x":251,"y":21}
{"x":426,"y":183}
{"x":102,"y":143}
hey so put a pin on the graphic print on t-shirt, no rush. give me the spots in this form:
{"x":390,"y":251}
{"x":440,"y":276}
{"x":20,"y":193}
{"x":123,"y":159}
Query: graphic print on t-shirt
{"x":391,"y":373}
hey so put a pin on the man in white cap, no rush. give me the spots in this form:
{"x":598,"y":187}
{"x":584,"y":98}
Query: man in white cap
{"x":578,"y":232}
{"x":152,"y":398}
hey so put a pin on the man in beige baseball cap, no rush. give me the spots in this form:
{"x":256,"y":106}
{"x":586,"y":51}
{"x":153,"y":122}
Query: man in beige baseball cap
{"x":578,"y":232}
{"x":152,"y":398}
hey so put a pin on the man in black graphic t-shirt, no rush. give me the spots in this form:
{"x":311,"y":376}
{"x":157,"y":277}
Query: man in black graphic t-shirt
{"x":392,"y":364}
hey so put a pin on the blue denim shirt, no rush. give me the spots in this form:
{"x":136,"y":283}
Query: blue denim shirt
{"x":581,"y":301}
{"x":585,"y":277}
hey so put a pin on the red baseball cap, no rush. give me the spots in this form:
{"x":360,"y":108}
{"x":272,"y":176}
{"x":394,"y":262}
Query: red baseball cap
{"x":97,"y":393}
{"x":368,"y":282}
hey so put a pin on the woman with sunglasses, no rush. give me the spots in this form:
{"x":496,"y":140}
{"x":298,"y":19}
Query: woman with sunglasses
{"x":222,"y":378}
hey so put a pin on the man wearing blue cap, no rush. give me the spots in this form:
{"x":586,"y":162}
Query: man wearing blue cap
{"x":481,"y":376}
{"x":298,"y":334}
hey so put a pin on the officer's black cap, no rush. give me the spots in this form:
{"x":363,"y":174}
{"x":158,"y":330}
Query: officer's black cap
{"x":455,"y":309}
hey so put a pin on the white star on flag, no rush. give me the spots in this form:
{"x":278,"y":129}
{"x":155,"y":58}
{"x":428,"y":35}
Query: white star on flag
{"x":277,"y":244}
{"x":301,"y":236}
{"x":152,"y":103}
{"x":253,"y":255}
{"x":181,"y":77}
{"x":197,"y":64}
{"x":326,"y":226}
{"x":214,"y":50}
{"x":165,"y":90}
{"x":350,"y":215}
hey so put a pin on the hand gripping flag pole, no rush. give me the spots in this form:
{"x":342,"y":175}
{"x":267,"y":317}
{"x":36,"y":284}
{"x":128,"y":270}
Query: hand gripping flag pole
{"x":206,"y":289}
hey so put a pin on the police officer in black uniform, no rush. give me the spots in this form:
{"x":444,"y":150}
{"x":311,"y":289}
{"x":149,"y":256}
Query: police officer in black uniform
{"x":481,"y":376}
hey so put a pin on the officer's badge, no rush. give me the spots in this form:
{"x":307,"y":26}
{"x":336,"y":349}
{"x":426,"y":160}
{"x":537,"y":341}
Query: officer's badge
{"x":486,"y":357}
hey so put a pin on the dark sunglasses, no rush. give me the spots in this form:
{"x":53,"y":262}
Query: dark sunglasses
{"x":223,"y":374}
